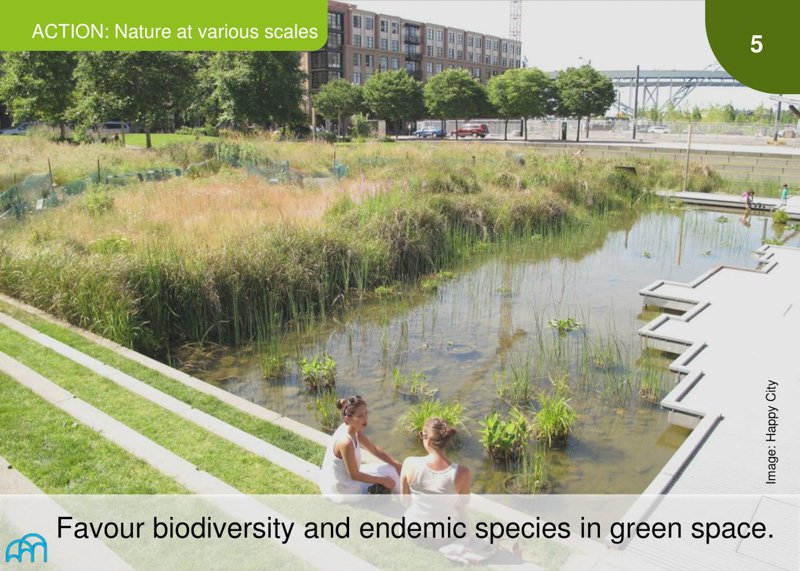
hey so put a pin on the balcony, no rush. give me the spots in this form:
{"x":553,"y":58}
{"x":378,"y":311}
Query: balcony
{"x":413,"y":56}
{"x":413,"y":39}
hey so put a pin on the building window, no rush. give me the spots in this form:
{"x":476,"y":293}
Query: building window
{"x":429,"y":50}
{"x":451,"y":53}
{"x":478,"y":72}
{"x":356,"y":21}
{"x":430,"y":34}
{"x":357,"y":77}
{"x":439,"y":36}
{"x":488,"y":60}
{"x":460,"y":40}
{"x":334,"y":40}
{"x":505,"y":48}
{"x":384,"y":25}
{"x":384,"y":44}
{"x":477,"y":42}
{"x":494,"y":45}
{"x":370,"y":42}
{"x":451,"y":37}
{"x":469,"y":56}
{"x":384,"y":62}
{"x":357,"y":41}
{"x":395,"y":45}
{"x":429,"y":67}
{"x":459,"y":55}
{"x":357,"y":59}
{"x":335,"y":21}
{"x":395,"y":28}
{"x":368,"y":60}
{"x":395,"y":63}
{"x":439,"y":52}
{"x":505,"y":62}
{"x":334,"y":59}
{"x":470,"y":41}
{"x":438,"y":68}
{"x":368,"y":22}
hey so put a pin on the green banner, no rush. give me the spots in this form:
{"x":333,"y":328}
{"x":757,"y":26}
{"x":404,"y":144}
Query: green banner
{"x":234,"y":25}
{"x":755,"y":43}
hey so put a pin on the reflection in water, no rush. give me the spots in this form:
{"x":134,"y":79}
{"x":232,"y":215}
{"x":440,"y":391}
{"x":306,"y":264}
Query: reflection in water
{"x":493,"y":318}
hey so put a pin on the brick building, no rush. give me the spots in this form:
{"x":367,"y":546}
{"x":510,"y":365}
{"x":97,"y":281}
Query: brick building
{"x":361,"y":43}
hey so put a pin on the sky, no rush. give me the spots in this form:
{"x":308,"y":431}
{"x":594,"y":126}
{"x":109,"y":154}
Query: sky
{"x":613,"y":35}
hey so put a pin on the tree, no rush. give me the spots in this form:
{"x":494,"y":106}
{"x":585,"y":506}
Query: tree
{"x":583,"y":92}
{"x":38,"y":86}
{"x":338,"y":98}
{"x":393,"y":95}
{"x":264,"y":88}
{"x":522,"y":92}
{"x":452,"y":93}
{"x":141,"y":87}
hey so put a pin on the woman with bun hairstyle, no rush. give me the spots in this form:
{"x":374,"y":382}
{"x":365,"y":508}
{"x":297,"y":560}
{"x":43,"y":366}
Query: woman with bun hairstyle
{"x":342,"y":471}
{"x":434,"y":473}
{"x":438,"y":488}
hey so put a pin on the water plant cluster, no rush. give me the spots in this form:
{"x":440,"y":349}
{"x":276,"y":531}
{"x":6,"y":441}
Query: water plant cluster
{"x":177,"y":282}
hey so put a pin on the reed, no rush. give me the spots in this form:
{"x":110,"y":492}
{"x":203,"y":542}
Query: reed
{"x":413,"y":420}
{"x":555,"y":419}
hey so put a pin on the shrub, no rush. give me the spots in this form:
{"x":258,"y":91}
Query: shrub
{"x":506,"y":439}
{"x":780,"y":217}
{"x":319,"y":373}
{"x":360,"y":127}
{"x":99,"y":201}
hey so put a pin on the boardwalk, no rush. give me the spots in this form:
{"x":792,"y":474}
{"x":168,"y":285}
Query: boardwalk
{"x":740,"y":388}
{"x":735,"y":202}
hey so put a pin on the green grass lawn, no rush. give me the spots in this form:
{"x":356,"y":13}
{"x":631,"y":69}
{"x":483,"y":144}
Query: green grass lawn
{"x":62,"y":456}
{"x":163,"y":139}
{"x":241,"y":469}
{"x":266,"y":431}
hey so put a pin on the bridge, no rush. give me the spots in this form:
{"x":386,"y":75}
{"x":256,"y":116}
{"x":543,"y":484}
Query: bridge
{"x":679,"y":82}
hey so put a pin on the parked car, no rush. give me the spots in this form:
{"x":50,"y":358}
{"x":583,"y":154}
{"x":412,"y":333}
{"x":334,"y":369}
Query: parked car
{"x":659,"y":129}
{"x":430,"y":132}
{"x":20,"y":129}
{"x":471,"y":130}
{"x":110,"y":129}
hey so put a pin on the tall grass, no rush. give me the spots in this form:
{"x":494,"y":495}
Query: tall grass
{"x":232,"y":259}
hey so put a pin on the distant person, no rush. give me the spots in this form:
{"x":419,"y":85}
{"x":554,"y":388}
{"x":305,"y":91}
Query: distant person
{"x":784,"y":194}
{"x":748,"y":196}
{"x":342,"y":472}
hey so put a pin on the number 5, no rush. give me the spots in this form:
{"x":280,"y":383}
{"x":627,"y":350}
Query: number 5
{"x":756,"y":44}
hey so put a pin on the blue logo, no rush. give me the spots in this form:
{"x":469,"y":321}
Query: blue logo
{"x":27,"y":545}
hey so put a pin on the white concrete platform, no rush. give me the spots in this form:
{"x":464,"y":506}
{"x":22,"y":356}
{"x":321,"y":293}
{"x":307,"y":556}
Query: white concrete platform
{"x":735,"y":202}
{"x":739,"y":368}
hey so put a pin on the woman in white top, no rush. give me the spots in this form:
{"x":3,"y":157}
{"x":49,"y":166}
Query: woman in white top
{"x":342,"y":471}
{"x":428,"y":478}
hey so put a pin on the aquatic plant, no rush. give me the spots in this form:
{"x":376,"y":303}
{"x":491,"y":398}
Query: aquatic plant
{"x":555,"y":418}
{"x":780,"y":216}
{"x":272,"y":366}
{"x":531,"y":472}
{"x":412,"y":385}
{"x":505,"y":439}
{"x":319,"y":372}
{"x":325,"y":411}
{"x":605,"y":354}
{"x":413,"y":420}
{"x":564,"y":326}
{"x":514,"y":385}
{"x":432,"y":282}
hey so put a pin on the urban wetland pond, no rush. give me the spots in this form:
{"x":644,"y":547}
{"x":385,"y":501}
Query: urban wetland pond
{"x":503,"y":331}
